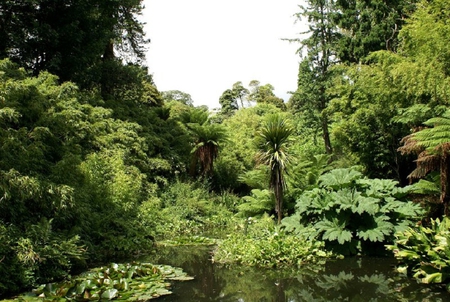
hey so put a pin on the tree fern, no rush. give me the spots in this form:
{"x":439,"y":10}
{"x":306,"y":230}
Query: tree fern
{"x":305,"y":174}
{"x":207,"y":138}
{"x":258,"y":203}
{"x":432,"y":146}
{"x":437,"y":135}
{"x":424,"y":186}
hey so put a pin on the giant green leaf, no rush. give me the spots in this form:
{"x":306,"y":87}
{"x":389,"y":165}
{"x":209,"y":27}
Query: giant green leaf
{"x":334,"y":230}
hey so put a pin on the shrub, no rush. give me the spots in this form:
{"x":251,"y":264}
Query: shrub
{"x":189,"y":209}
{"x":423,"y":252}
{"x":37,"y":256}
{"x":353,"y":214}
{"x":262,"y":244}
{"x":260,"y":202}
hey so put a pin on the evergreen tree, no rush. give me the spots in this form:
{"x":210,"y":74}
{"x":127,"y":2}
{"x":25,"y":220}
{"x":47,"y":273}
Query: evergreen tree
{"x":70,"y":39}
{"x":314,"y":71}
{"x":367,"y":26}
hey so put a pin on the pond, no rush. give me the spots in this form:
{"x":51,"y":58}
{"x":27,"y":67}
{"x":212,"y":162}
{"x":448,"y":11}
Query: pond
{"x":350,"y":279}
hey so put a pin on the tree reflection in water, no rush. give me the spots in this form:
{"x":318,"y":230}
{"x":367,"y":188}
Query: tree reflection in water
{"x":352,"y":279}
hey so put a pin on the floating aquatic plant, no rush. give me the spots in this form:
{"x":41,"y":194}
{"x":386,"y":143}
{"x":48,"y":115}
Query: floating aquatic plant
{"x":122,"y":282}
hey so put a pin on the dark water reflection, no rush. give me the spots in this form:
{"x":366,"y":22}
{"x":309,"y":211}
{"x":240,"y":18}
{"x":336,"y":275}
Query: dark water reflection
{"x":352,"y":279}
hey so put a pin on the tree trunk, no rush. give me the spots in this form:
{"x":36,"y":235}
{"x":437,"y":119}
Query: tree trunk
{"x":109,"y":51}
{"x":326,"y":136}
{"x":445,"y":194}
{"x":278,"y":188}
{"x":193,"y":167}
{"x":105,"y":85}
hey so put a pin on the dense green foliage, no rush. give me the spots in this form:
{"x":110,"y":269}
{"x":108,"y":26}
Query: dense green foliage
{"x":73,"y":40}
{"x":423,"y":252}
{"x":96,"y":164}
{"x":67,"y":172}
{"x":262,"y":244}
{"x":352,"y":214}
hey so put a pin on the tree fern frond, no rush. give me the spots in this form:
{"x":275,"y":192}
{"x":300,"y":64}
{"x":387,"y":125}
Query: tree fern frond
{"x":440,"y":121}
{"x":437,"y":135}
{"x":410,"y":145}
{"x":425,"y":187}
{"x":425,"y":163}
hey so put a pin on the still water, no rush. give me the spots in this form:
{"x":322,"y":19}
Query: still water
{"x":351,"y":279}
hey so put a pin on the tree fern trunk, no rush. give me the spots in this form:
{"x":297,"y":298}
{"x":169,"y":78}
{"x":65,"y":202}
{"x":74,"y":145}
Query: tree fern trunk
{"x":193,"y":167}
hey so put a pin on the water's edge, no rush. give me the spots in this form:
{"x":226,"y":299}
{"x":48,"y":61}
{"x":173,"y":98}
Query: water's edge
{"x":350,"y":279}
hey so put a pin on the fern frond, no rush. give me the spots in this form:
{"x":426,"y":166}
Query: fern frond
{"x":259,"y":203}
{"x":410,"y":145}
{"x":426,"y":163}
{"x":425,"y":187}
{"x":435,"y":139}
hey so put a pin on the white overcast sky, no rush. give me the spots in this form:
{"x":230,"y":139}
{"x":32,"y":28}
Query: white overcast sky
{"x":202,"y":47}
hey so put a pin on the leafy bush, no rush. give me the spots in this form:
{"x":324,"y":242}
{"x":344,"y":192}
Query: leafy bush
{"x":67,"y":160}
{"x":260,"y":202}
{"x":424,"y":252}
{"x":37,"y":256}
{"x":353,"y":214}
{"x":189,"y":209}
{"x":262,"y":244}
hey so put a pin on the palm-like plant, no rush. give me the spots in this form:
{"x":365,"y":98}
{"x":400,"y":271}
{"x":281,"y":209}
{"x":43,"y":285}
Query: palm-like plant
{"x":206,"y":146}
{"x":272,"y":144}
{"x":432,"y":145}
